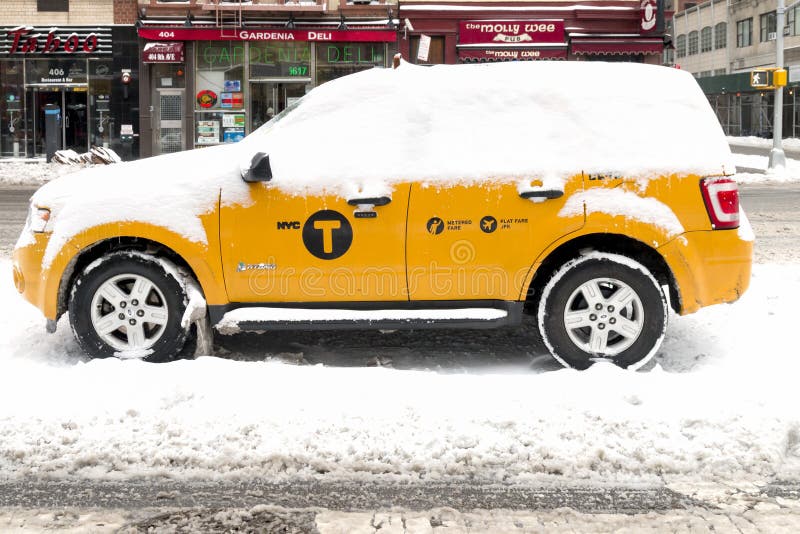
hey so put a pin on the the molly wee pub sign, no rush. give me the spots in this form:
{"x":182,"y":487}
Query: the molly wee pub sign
{"x":511,"y":39}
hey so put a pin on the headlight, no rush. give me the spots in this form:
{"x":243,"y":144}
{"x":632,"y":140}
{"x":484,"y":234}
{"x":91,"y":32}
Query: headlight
{"x":37,"y":218}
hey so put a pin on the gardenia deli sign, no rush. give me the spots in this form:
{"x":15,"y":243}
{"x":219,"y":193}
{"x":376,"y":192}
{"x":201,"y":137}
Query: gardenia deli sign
{"x":494,"y":32}
{"x":217,"y":34}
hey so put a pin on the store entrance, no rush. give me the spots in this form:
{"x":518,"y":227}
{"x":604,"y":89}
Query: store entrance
{"x":270,"y":98}
{"x":74,"y":124}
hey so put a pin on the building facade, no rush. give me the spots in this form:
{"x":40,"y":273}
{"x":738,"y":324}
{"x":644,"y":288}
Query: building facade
{"x":721,"y":42}
{"x":212,"y":71}
{"x":460,"y":32}
{"x":71,"y":53}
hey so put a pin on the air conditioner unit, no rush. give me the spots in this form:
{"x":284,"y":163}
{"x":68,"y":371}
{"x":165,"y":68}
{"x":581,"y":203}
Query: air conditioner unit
{"x":771,"y":36}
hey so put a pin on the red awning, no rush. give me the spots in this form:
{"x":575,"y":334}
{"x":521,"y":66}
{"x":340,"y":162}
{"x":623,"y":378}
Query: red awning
{"x":163,"y":53}
{"x":510,"y":54}
{"x":617,"y":45}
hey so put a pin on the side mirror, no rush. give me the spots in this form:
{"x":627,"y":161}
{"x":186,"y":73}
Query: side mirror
{"x":260,"y":170}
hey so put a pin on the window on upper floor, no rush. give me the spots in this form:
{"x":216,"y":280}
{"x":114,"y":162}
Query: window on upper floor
{"x":680,"y":46}
{"x":744,"y":32}
{"x":768,"y":27}
{"x":720,"y":35}
{"x":705,"y":39}
{"x":692,"y":43}
{"x":52,"y":5}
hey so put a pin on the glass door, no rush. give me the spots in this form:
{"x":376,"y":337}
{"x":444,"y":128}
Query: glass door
{"x":74,"y":112}
{"x":270,"y":98}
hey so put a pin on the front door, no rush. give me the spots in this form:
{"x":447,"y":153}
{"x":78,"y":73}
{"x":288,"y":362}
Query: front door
{"x":286,"y":248}
{"x":73,"y":130}
{"x":270,"y":98}
{"x":478,"y":242}
{"x":168,"y":119}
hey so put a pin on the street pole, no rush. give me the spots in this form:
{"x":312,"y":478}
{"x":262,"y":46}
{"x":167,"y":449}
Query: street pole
{"x":777,"y":158}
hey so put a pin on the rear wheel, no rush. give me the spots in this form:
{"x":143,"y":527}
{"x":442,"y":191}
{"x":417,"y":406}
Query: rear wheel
{"x":127,"y":305}
{"x":602,"y":307}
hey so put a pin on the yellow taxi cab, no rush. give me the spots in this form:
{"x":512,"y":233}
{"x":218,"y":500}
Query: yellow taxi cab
{"x":590,"y":197}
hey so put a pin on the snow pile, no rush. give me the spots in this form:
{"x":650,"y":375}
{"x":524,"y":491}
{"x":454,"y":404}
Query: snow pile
{"x":511,"y":120}
{"x":722,"y":405}
{"x":31,"y":173}
{"x":790,"y":173}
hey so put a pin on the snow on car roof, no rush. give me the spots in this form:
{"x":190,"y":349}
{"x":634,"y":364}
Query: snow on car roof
{"x":502,"y":120}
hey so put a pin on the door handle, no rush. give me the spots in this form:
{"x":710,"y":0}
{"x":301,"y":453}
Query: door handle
{"x":369,"y":201}
{"x":544,"y":194}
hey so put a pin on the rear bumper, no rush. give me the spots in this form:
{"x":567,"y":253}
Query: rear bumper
{"x":710,"y":267}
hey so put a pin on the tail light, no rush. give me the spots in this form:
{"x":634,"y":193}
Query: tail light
{"x":721,"y":196}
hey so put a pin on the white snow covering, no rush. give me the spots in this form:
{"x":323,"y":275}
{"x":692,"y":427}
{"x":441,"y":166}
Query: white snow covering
{"x":230,"y":321}
{"x":32,"y":172}
{"x":626,"y":203}
{"x":789,"y":173}
{"x":720,"y":405}
{"x":443,"y":124}
{"x":515,"y":120}
{"x":188,"y":183}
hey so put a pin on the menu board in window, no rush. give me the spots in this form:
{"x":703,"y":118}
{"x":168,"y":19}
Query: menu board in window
{"x":207,"y":132}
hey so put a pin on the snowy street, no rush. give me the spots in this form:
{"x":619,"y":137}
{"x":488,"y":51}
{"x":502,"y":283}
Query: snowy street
{"x":387,"y":425}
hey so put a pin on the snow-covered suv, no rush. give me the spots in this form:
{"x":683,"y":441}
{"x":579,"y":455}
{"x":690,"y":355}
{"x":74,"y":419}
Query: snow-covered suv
{"x":589,"y":195}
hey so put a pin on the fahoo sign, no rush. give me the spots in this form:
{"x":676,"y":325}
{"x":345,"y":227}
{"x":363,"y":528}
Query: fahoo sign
{"x":494,"y":32}
{"x":54,"y":41}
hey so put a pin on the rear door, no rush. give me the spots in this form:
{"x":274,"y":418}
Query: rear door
{"x":478,"y":242}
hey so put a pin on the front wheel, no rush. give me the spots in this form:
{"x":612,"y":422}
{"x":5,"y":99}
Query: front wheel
{"x":129,"y":305}
{"x":602,"y":307}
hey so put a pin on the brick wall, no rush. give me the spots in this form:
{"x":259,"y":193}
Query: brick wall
{"x":88,"y":12}
{"x":125,"y":11}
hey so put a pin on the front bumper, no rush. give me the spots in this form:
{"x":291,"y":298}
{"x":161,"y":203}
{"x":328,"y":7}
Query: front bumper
{"x":33,"y":282}
{"x":710,"y":267}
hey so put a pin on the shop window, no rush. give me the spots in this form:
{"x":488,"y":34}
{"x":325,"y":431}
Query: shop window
{"x":692,"y":43}
{"x":52,"y":5}
{"x":435,"y":51}
{"x":103,"y":131}
{"x":768,"y":26}
{"x":280,"y":59}
{"x":680,"y":46}
{"x":335,"y":60}
{"x":720,"y":35}
{"x":219,"y":99}
{"x":744,"y":32}
{"x":705,"y":39}
{"x":12,"y":109}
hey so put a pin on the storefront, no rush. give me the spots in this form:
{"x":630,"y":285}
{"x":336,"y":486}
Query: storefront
{"x":78,"y":69}
{"x":501,"y":31}
{"x":214,"y":86}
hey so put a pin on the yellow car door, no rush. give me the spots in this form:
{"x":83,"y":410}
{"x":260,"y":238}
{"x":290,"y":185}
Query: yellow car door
{"x":284,"y":248}
{"x":478,"y":242}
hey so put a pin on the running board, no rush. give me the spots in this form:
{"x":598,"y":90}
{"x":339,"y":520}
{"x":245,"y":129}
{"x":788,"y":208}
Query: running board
{"x":263,"y":318}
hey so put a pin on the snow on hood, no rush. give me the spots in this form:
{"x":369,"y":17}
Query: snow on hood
{"x":506,"y":120}
{"x":171,"y":191}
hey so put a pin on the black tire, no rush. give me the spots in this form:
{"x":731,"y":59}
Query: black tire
{"x":168,"y":339}
{"x":570,"y":290}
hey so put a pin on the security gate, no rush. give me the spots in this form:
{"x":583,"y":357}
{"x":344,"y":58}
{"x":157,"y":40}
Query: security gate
{"x":168,"y":135}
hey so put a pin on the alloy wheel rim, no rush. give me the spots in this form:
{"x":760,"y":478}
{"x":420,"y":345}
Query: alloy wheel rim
{"x":604,"y":317}
{"x":129,"y":312}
